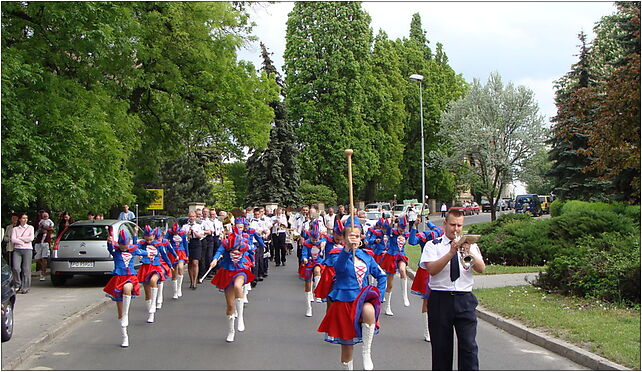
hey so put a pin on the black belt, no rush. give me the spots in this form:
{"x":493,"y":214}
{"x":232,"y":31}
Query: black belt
{"x":452,"y":293}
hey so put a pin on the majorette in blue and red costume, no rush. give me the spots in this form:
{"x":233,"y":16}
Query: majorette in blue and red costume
{"x":395,"y":260}
{"x":236,"y":253}
{"x":179,"y":256}
{"x":376,"y":239}
{"x":333,"y":246}
{"x":351,"y":293}
{"x":166,"y":246}
{"x":311,"y":263}
{"x":420,"y":285}
{"x":123,"y":286}
{"x":151,"y":270}
{"x":254,"y":240}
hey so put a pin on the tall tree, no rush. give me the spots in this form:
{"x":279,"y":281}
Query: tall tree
{"x":494,"y":128}
{"x":182,"y":180}
{"x":534,"y":173}
{"x":327,"y":63}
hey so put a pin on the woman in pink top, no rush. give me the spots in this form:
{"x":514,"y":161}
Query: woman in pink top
{"x":21,"y":237}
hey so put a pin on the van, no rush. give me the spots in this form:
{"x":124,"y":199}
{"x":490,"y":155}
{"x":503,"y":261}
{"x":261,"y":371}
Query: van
{"x":377,"y":207}
{"x":528,"y":203}
{"x":545,"y":201}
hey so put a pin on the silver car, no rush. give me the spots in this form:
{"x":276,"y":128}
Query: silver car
{"x":82,"y":249}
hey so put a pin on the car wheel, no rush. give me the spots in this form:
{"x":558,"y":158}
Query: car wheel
{"x":7,"y":322}
{"x":59,"y":280}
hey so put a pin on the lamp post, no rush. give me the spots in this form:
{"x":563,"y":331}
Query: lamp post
{"x":420,"y":78}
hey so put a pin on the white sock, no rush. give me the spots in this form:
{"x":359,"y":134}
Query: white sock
{"x":180,"y":285}
{"x":239,"y":312}
{"x":404,"y":288}
{"x":368,"y":335}
{"x":159,"y":299}
{"x":316,"y":280}
{"x":230,"y":328}
{"x":175,"y":286}
{"x":426,"y":329}
{"x":152,"y":307}
{"x":387,"y":297}
{"x":308,"y":304}
{"x":124,"y":321}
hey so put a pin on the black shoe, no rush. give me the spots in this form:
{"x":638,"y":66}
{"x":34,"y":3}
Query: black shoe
{"x":265,"y":275}
{"x":260,"y":279}
{"x":283,"y":264}
{"x":278,"y":264}
{"x":253,"y":283}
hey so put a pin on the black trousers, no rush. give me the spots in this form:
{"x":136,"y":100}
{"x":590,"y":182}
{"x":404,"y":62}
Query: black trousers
{"x":259,"y":269}
{"x":279,"y":247}
{"x":448,"y":310}
{"x":207,"y":253}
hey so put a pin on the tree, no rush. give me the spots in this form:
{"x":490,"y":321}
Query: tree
{"x":534,"y":173}
{"x":494,"y":128}
{"x":315,"y":194}
{"x":185,"y":180}
{"x":327,"y":64}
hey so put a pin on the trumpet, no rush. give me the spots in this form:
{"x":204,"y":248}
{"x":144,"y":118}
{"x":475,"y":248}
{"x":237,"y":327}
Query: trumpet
{"x":466,"y":259}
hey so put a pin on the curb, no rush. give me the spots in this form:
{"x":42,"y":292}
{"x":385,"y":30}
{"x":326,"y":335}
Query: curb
{"x":52,"y":334}
{"x":548,"y":342}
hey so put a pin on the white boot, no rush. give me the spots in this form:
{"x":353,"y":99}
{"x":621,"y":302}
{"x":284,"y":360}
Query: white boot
{"x":426,"y":330}
{"x":239,"y":310}
{"x":308,"y":304}
{"x":246,"y":290}
{"x":316,"y":280}
{"x":180,"y":286}
{"x":175,"y":286}
{"x":404,"y":288}
{"x":388,"y":305}
{"x":151,"y":306}
{"x":368,"y":335}
{"x":346,"y":366}
{"x":124,"y":320}
{"x":159,"y":299}
{"x":230,"y":327}
{"x":123,"y":332}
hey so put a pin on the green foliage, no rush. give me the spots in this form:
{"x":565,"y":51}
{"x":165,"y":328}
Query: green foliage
{"x":556,"y":207}
{"x":185,"y":180}
{"x":224,"y":196}
{"x":237,"y":173}
{"x":314,"y":194}
{"x":488,"y":227}
{"x":606,"y":266}
{"x":534,"y":173}
{"x":569,"y":227}
{"x":519,"y":243}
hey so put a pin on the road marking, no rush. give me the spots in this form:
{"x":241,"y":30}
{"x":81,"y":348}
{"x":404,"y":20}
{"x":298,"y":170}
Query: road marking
{"x":58,"y":353}
{"x":41,"y":369}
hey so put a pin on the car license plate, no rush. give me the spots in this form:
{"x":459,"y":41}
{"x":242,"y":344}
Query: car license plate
{"x":81,"y":264}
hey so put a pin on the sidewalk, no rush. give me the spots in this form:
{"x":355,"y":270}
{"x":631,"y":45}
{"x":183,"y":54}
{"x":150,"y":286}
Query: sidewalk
{"x":560,"y":347}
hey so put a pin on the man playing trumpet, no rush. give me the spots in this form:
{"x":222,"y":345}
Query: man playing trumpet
{"x":451,"y":303}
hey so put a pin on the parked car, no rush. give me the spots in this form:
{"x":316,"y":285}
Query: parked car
{"x":373,"y":217}
{"x":164,"y":222}
{"x":528,"y":203}
{"x":8,"y":301}
{"x":378,"y":206}
{"x":399,"y":209}
{"x":509,"y":203}
{"x":545,"y":201}
{"x":82,"y":249}
{"x":467,"y":211}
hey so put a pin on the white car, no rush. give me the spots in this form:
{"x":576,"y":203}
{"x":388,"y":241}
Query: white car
{"x":373,"y":217}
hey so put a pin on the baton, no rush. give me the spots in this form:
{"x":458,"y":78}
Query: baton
{"x":203,"y":277}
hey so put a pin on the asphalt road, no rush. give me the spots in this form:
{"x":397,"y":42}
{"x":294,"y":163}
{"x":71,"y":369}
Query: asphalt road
{"x":189,"y":334}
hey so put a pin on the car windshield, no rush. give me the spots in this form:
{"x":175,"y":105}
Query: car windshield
{"x":372,"y":215}
{"x":372,"y":206}
{"x":87,"y":232}
{"x":524,"y":200}
{"x":542,"y":199}
{"x":398,"y":208}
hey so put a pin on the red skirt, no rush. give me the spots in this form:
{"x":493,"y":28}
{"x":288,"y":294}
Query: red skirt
{"x":378,"y":258}
{"x":114,"y":287}
{"x":225,"y":278}
{"x":182,"y":256}
{"x":147,"y":270}
{"x":420,"y":283}
{"x":390,"y":263}
{"x":325,"y":283}
{"x":306,"y":270}
{"x":168,"y":270}
{"x":341,"y":322}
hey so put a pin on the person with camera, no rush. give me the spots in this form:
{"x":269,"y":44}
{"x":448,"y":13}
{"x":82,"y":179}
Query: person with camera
{"x":452,"y":303}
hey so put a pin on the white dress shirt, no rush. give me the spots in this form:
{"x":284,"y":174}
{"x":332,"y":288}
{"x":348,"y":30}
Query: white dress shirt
{"x":441,"y":281}
{"x":207,"y":224}
{"x":277,"y":221}
{"x":195,"y":228}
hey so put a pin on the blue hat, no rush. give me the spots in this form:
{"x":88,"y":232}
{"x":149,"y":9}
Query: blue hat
{"x":356,"y":224}
{"x":240,"y":220}
{"x":403,"y":222}
{"x":380,"y":223}
{"x":339,"y":227}
{"x":123,"y":238}
{"x":147,"y":231}
{"x":157,"y":232}
{"x":314,"y":232}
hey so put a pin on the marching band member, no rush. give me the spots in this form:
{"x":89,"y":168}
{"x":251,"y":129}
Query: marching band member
{"x":163,"y":245}
{"x":333,"y":247}
{"x":233,"y":273}
{"x":395,"y":260}
{"x":178,"y":241}
{"x":376,"y":239}
{"x":354,"y":312}
{"x":151,"y":270}
{"x":311,"y":257}
{"x":123,"y":285}
{"x":195,"y":234}
{"x":422,"y":276}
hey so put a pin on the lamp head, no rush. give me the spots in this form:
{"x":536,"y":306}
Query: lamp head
{"x":417,"y":77}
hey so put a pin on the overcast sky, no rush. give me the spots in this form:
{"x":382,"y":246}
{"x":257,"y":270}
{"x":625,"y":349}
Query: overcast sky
{"x":528,"y":43}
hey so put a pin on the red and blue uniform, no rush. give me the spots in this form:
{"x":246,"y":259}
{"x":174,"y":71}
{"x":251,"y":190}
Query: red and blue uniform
{"x":332,"y":250}
{"x":169,"y":251}
{"x":395,"y":248}
{"x":236,"y":258}
{"x":178,"y":241}
{"x":124,"y":271}
{"x":420,"y":285}
{"x":151,"y":261}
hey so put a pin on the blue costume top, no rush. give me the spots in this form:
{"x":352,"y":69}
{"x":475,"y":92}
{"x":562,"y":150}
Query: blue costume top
{"x":308,"y":251}
{"x":425,"y":236}
{"x":331,"y":253}
{"x":155,"y":251}
{"x":371,"y":236}
{"x":177,"y":241}
{"x":346,"y":286}
{"x":123,"y":260}
{"x":397,"y":240}
{"x":236,"y":251}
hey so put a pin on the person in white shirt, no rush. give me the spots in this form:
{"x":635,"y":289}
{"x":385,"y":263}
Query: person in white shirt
{"x":452,"y":303}
{"x":411,"y":214}
{"x":194,"y":233}
{"x":207,"y":248}
{"x":444,"y":209}
{"x":41,"y":244}
{"x":302,"y":224}
{"x":8,"y":248}
{"x":126,"y":214}
{"x":329,"y":219}
{"x":279,"y":226}
{"x":257,"y":224}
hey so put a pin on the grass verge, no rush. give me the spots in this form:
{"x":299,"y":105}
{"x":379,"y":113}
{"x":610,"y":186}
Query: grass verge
{"x":604,"y":329}
{"x":414,"y":253}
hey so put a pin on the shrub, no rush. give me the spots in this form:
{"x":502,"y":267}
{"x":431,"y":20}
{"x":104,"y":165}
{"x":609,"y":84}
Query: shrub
{"x":607,"y":267}
{"x":578,"y":206}
{"x":581,"y":222}
{"x":489,"y":227}
{"x":556,"y":207}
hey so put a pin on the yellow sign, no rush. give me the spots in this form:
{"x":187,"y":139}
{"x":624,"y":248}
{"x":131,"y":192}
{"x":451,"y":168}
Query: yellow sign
{"x":157,"y":204}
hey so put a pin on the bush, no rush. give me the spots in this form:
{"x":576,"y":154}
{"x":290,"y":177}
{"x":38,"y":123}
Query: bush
{"x":581,"y":222}
{"x":489,"y":227}
{"x":607,"y":267}
{"x":519,"y":243}
{"x":578,"y":206}
{"x":556,"y":207}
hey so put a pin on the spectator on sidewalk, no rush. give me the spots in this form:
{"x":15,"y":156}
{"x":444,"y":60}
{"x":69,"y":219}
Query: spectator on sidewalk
{"x":100,"y":216}
{"x":411,"y":214}
{"x":444,"y":209}
{"x":6,"y":240}
{"x":126,"y":214}
{"x":90,"y":215}
{"x":65,"y":221}
{"x":22,"y":238}
{"x":329,"y":219}
{"x":452,"y":303}
{"x":279,"y":226}
{"x":41,"y":245}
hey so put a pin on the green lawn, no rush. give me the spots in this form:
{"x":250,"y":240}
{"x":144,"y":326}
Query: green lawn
{"x":414,"y":253}
{"x":605,"y":329}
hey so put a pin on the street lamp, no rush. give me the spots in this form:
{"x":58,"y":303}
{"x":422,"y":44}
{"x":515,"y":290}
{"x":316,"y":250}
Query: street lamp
{"x":420,"y":78}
